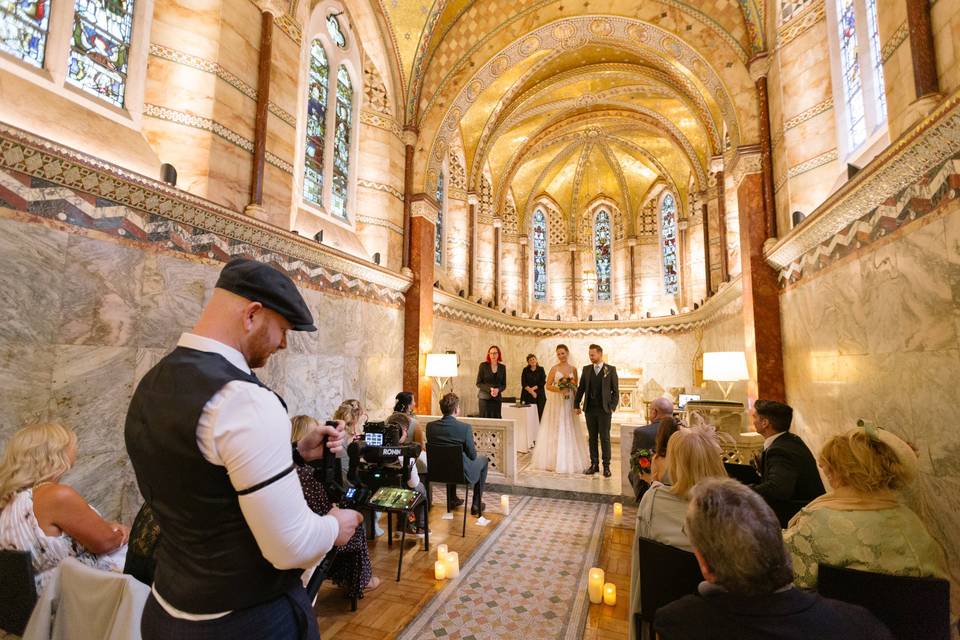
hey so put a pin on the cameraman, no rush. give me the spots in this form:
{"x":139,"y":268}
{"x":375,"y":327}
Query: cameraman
{"x":210,"y":447}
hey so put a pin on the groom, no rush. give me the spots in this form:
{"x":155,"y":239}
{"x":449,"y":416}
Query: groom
{"x":602,"y":390}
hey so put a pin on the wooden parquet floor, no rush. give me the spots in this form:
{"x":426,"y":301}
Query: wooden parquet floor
{"x":613,"y":623}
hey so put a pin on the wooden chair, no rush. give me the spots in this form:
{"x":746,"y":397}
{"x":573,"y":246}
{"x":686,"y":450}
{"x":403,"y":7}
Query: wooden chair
{"x":666,"y":574}
{"x":910,"y":607}
{"x":18,"y":591}
{"x":446,"y":466}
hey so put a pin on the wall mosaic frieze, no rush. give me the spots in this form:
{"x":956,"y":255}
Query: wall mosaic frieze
{"x":807,"y":18}
{"x":905,"y":164}
{"x":379,"y":186}
{"x":380,"y":222}
{"x":724,"y":304}
{"x":43,"y":179}
{"x":812,"y":112}
{"x":812,"y":163}
{"x":206,"y":124}
{"x":381,"y":121}
{"x":215,"y":68}
{"x":897,"y":38}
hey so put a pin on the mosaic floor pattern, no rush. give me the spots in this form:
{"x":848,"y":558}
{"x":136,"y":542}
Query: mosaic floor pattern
{"x":528,"y":578}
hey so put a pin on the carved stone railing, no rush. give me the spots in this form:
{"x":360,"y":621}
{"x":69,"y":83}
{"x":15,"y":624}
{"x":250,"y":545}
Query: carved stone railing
{"x":494,"y":439}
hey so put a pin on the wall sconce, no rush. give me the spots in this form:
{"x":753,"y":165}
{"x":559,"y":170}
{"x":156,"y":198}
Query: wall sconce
{"x":725,"y":366}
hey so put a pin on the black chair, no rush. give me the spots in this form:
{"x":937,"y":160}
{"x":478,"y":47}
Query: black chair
{"x":18,"y":591}
{"x":910,"y":607}
{"x":446,"y":466}
{"x":744,"y":473}
{"x":666,"y":574}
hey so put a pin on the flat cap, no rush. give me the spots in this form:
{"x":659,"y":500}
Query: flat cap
{"x":259,"y":282}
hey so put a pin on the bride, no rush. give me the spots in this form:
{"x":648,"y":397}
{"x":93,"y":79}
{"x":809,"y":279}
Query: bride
{"x":561,"y":446}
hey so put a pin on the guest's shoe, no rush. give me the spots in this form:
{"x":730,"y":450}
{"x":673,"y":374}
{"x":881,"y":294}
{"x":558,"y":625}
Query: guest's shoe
{"x":457,"y":502}
{"x":592,"y":469}
{"x":478,"y":511}
{"x":606,"y":471}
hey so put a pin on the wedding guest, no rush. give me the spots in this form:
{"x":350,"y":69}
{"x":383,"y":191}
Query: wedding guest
{"x":407,"y":403}
{"x":49,"y":519}
{"x":450,"y":431}
{"x":404,"y":422}
{"x":492,"y":382}
{"x":694,"y":456}
{"x":351,"y":569}
{"x":645,"y":437}
{"x":788,"y":471}
{"x":658,"y":465}
{"x":866,"y":468}
{"x":354,"y":417}
{"x":534,"y":382}
{"x":747,"y":591}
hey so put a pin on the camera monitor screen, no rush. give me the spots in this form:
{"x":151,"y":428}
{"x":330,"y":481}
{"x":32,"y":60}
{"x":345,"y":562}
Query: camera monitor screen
{"x":394,"y":498}
{"x":687,"y":397}
{"x":373,"y":439}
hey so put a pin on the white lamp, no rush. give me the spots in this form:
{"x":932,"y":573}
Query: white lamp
{"x":442,"y":366}
{"x":725,"y":366}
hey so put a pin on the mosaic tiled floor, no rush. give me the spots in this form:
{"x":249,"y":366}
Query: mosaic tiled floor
{"x":528,"y":578}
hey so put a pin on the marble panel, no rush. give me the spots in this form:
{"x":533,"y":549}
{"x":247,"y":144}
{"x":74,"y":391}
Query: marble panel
{"x":330,"y":378}
{"x":146,"y":359}
{"x":25,"y":373}
{"x":173,"y":294}
{"x":301,"y":384}
{"x":31,"y":281}
{"x":382,"y":380}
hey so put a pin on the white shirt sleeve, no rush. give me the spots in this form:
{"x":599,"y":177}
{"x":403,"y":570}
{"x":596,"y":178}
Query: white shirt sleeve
{"x":414,"y":476}
{"x":245,"y":429}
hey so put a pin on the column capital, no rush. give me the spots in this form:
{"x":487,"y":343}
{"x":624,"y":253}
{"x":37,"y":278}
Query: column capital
{"x":497,"y":223}
{"x":423,"y":206}
{"x":745,"y":161}
{"x":759,"y":66}
{"x":632,"y":241}
{"x":523,"y":240}
{"x":410,"y":136}
{"x":716,"y":164}
{"x":473,"y":198}
{"x":273,"y":7}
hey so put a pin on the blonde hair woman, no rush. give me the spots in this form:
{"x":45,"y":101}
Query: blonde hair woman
{"x":694,"y":454}
{"x":353,"y":415}
{"x":51,"y":520}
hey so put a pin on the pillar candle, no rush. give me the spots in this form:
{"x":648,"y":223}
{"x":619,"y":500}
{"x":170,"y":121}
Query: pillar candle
{"x":439,"y":570}
{"x":442,"y":552}
{"x":505,"y":505}
{"x":617,"y":512}
{"x":453,"y":564}
{"x":610,"y":594}
{"x":595,"y":585}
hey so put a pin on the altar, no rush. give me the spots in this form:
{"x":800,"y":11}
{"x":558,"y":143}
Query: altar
{"x":527,"y":422}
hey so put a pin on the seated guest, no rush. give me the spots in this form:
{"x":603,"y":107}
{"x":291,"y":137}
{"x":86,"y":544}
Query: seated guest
{"x":450,"y":431}
{"x":866,"y":468}
{"x":407,"y":403}
{"x":351,"y":570}
{"x":404,"y":422}
{"x":694,"y":456}
{"x":354,"y":417}
{"x":788,"y":472}
{"x":747,"y":591}
{"x":658,"y":465}
{"x":645,"y":437}
{"x":51,"y":520}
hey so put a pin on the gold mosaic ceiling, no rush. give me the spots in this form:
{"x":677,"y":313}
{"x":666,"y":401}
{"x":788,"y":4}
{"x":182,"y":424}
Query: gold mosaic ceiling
{"x":577,"y":100}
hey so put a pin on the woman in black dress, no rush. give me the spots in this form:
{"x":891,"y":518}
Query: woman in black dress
{"x":491,"y":381}
{"x":534,"y":381}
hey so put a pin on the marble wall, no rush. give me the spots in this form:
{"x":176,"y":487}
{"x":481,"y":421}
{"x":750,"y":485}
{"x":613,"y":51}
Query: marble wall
{"x":877,"y":336}
{"x":87,"y":316}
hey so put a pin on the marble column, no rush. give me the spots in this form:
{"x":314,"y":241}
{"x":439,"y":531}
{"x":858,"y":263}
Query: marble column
{"x":472,"y":201}
{"x":409,"y":148}
{"x":706,"y":248}
{"x":632,"y":243}
{"x":759,"y":67}
{"x":922,"y":50}
{"x":497,"y":259}
{"x":717,"y":165}
{"x":418,"y":309}
{"x":263,"y":102}
{"x":524,"y":271}
{"x":574,"y":298}
{"x":761,"y":299}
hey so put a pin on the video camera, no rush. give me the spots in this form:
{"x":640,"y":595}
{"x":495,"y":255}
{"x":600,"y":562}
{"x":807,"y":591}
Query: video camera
{"x":374,"y":458}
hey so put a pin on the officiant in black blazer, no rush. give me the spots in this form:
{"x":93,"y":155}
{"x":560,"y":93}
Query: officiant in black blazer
{"x":599,"y":389}
{"x":534,"y":378}
{"x":491,"y":383}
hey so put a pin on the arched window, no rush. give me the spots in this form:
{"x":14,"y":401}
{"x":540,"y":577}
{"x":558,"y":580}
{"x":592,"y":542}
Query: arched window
{"x":23,"y":29}
{"x":668,"y":238}
{"x":859,"y":72}
{"x":316,"y":124}
{"x":539,"y":233}
{"x":602,"y":250}
{"x":341,"y":142}
{"x":100,"y":47}
{"x":438,"y":241}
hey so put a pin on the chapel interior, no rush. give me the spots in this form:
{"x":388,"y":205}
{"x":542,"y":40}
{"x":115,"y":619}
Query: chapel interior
{"x":768,"y":180}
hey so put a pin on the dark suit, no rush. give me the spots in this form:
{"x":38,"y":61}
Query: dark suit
{"x":602,"y":394}
{"x":644,"y":437}
{"x":536,"y":378}
{"x":488,"y":379}
{"x":449,"y":431}
{"x":790,"y":615}
{"x":788,"y":476}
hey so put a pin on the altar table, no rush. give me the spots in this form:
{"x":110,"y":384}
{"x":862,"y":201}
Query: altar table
{"x":527,"y":421}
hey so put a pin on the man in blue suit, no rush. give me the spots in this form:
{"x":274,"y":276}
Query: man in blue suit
{"x":450,"y":431}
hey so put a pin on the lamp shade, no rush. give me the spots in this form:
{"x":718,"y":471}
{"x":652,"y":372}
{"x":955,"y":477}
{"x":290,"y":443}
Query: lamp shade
{"x":725,"y":366}
{"x":441,"y":365}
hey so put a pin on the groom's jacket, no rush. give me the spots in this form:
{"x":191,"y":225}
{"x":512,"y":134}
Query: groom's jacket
{"x":609,"y":386}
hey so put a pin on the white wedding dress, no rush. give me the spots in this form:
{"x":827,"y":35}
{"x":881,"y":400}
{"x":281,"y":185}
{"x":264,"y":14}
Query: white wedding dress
{"x":561,"y":446}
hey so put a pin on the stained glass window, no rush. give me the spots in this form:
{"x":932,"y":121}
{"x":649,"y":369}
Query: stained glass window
{"x":333,"y":27}
{"x":23,"y":29}
{"x":341,"y":142}
{"x":438,"y":242}
{"x":602,"y":250}
{"x":668,"y":234}
{"x":850,"y":71}
{"x":100,"y":47}
{"x":876,"y":61}
{"x":539,"y":255}
{"x":316,"y":124}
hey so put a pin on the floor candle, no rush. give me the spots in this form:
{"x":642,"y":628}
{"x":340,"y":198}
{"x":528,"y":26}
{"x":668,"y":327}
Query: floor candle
{"x":595,"y":585}
{"x":610,"y":594}
{"x":505,"y":505}
{"x":453,"y":564}
{"x":442,"y":552}
{"x":440,"y":570}
{"x":617,"y":512}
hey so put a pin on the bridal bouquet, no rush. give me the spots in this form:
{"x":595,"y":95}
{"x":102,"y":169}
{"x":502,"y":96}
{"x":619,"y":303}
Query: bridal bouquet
{"x":565,"y":384}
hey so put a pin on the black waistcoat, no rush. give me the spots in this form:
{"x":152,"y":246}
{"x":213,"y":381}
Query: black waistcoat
{"x":595,"y":397}
{"x":207,"y":560}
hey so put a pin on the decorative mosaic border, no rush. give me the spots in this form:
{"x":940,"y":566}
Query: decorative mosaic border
{"x":215,"y":68}
{"x":905,"y":162}
{"x":380,"y":121}
{"x":379,"y":186}
{"x":813,"y":163}
{"x":812,"y":112}
{"x":896,"y":39}
{"x":45,"y":179}
{"x":380,"y":222}
{"x":206,"y":124}
{"x":801,"y":23}
{"x":938,"y":188}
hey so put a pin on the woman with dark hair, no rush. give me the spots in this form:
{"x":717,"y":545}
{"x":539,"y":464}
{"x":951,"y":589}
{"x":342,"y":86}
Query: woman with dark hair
{"x":533,"y":380}
{"x":491,"y":381}
{"x":659,"y":467}
{"x":405,"y":403}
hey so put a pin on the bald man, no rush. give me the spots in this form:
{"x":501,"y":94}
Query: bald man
{"x":645,"y":437}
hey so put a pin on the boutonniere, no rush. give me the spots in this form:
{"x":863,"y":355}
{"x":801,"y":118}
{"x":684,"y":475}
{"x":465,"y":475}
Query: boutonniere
{"x":603,"y":371}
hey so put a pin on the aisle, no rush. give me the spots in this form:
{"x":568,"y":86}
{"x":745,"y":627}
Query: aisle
{"x":528,"y":578}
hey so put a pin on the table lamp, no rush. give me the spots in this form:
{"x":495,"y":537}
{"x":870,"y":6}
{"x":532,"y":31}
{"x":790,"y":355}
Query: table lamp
{"x":725,"y":367}
{"x":442,"y":366}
